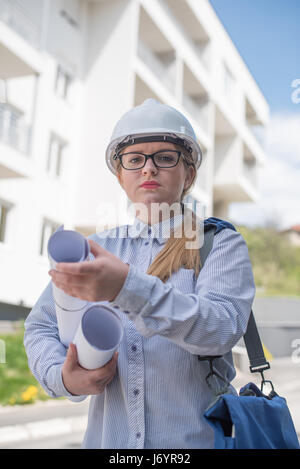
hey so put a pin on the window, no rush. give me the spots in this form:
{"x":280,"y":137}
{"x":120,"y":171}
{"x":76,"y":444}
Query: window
{"x":55,"y":155}
{"x":62,"y":82}
{"x":12,"y":131}
{"x":5,"y":207}
{"x":69,"y":18}
{"x":49,"y":227}
{"x":70,"y":11}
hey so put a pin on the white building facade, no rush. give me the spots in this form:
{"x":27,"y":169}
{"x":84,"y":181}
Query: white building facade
{"x":69,"y":69}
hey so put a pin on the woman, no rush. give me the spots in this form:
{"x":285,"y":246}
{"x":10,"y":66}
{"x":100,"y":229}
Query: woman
{"x":153,"y":392}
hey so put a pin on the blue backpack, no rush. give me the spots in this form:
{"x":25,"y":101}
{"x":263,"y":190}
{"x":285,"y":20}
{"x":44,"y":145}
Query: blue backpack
{"x":250,"y":420}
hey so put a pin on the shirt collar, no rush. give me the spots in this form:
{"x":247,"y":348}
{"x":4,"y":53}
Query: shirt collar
{"x":160,"y":231}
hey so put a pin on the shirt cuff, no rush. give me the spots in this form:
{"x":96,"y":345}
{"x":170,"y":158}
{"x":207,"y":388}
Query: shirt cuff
{"x":56,"y":385}
{"x":136,"y":291}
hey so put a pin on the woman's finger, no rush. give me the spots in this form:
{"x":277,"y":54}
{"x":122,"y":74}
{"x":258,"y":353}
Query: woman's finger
{"x":76,"y":268}
{"x":69,"y":279}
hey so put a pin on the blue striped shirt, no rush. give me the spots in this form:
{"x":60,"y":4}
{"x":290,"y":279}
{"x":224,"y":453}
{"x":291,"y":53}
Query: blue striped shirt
{"x":159,"y":393}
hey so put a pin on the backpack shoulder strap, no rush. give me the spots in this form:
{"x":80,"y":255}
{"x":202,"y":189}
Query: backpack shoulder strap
{"x":253,"y":344}
{"x":207,"y":244}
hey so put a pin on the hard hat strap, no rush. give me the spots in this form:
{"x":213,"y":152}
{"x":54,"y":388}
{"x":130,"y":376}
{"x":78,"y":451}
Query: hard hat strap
{"x":130,"y":140}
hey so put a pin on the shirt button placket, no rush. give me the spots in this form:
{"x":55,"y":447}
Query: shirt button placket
{"x":135,"y":389}
{"x":136,"y":365}
{"x":145,"y":251}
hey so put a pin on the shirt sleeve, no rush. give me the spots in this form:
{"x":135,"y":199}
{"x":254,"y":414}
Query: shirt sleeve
{"x":46,"y":354}
{"x":211,"y":320}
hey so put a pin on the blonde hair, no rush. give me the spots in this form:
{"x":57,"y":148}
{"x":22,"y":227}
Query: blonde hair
{"x":175,"y":254}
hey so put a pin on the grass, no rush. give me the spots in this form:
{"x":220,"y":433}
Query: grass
{"x":18,"y":385}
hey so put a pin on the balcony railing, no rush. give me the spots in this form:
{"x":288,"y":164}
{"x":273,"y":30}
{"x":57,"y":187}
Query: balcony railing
{"x":15,"y":15}
{"x":13,"y":131}
{"x":162,"y":72}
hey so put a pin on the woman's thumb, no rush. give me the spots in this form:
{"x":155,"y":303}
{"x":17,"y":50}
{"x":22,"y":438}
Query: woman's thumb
{"x":71,"y":357}
{"x":95,"y":248}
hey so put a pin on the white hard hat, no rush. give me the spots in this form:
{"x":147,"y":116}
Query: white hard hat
{"x":149,"y":122}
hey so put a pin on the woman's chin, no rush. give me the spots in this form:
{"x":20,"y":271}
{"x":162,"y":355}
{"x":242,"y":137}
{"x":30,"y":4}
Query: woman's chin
{"x":151,"y":198}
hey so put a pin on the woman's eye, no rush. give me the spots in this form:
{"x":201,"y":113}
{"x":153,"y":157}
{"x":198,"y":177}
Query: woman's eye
{"x":135,"y":160}
{"x":165,"y":158}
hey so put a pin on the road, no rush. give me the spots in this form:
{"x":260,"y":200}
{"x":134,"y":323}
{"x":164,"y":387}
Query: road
{"x":70,"y":441}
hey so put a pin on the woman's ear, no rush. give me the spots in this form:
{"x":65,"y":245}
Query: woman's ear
{"x":190,"y":174}
{"x":120,"y":179}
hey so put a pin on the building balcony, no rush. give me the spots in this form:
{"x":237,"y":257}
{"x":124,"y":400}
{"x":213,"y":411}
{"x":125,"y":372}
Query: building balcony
{"x":25,"y":21}
{"x":235,"y":174}
{"x":15,"y":137}
{"x":191,"y":29}
{"x":197,"y":109}
{"x":231,"y":190}
{"x":142,"y":91}
{"x":255,"y":121}
{"x":13,"y":164}
{"x":164,"y":71}
{"x":195,"y":99}
{"x":156,"y":51}
{"x":17,"y":56}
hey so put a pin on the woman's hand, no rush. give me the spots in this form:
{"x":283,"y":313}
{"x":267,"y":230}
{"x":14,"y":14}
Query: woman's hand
{"x":81,"y":382}
{"x":98,"y":280}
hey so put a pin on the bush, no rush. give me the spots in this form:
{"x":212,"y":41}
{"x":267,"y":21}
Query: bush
{"x":275,"y":261}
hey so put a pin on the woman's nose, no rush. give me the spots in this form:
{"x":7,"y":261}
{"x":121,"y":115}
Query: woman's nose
{"x":149,"y":167}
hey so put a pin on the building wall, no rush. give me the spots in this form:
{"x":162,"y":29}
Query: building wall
{"x":294,"y":238}
{"x":108,"y":92}
{"x":72,"y":68}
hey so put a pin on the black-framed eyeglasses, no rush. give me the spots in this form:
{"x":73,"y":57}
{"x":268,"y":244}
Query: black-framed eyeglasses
{"x":160,"y":159}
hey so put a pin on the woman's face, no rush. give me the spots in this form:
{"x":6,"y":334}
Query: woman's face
{"x":172,"y":181}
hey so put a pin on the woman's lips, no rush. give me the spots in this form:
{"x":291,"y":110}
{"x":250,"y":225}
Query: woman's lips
{"x":150,"y":186}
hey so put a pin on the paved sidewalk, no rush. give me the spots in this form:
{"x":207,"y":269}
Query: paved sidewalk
{"x":35,"y":422}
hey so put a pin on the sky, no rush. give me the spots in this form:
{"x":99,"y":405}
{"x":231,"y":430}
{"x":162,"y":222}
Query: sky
{"x":266,"y":34}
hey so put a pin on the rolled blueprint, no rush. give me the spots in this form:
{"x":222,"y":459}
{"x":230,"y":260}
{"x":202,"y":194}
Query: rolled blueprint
{"x":67,"y":246}
{"x":98,"y":336}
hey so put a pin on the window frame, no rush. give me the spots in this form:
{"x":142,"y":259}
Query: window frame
{"x":3,"y":225}
{"x":53,"y":168}
{"x":62,"y":89}
{"x":46,"y":223}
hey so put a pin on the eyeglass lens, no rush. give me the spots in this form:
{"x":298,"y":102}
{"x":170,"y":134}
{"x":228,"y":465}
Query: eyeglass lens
{"x":162,"y":159}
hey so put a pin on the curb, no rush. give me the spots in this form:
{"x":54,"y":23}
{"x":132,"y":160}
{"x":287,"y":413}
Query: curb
{"x":41,"y":429}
